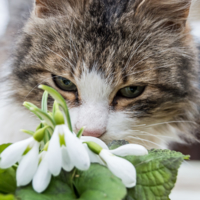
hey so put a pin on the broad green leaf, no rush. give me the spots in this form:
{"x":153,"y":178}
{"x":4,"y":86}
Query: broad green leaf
{"x":7,"y":176}
{"x":117,"y":143}
{"x":156,"y":174}
{"x":98,"y":183}
{"x":7,"y":180}
{"x":4,"y":146}
{"x":57,"y":190}
{"x":7,"y":197}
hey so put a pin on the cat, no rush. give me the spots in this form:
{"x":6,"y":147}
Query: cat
{"x":128,"y":70}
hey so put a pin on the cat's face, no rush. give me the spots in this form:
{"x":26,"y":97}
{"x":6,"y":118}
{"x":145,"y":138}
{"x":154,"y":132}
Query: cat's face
{"x":127,"y":69}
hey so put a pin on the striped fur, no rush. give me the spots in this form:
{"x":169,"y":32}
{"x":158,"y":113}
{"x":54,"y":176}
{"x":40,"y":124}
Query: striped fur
{"x":103,"y":46}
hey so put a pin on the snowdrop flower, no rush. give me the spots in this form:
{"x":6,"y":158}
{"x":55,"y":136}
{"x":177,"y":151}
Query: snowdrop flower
{"x":66,"y":151}
{"x":26,"y":153}
{"x":130,"y":149}
{"x":42,"y":176}
{"x":94,"y":158}
{"x":120,"y":167}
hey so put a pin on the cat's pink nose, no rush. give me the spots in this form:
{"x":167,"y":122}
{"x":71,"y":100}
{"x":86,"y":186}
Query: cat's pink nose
{"x":93,"y":133}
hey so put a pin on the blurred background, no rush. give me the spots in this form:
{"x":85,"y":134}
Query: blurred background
{"x":13,"y":15}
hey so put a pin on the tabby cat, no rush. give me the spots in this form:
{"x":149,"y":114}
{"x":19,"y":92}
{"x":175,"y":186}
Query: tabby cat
{"x":128,"y":69}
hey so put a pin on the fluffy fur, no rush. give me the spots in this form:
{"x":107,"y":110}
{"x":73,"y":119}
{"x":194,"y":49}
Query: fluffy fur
{"x":103,"y":46}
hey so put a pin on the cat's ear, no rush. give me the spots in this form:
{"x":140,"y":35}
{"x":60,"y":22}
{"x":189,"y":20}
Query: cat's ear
{"x":48,"y":8}
{"x":43,"y":8}
{"x":173,"y":13}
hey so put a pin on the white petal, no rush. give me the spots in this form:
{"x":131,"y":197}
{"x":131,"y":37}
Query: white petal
{"x":130,"y":149}
{"x":77,"y":152}
{"x":28,"y":166}
{"x":13,"y":153}
{"x":42,"y":176}
{"x":54,"y":156}
{"x":120,"y":167}
{"x":66,"y":162}
{"x":94,"y":139}
{"x":94,"y":158}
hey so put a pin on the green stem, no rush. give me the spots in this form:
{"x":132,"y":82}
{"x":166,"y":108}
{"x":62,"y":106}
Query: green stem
{"x":44,"y":102}
{"x":61,"y":101}
{"x":79,"y":134}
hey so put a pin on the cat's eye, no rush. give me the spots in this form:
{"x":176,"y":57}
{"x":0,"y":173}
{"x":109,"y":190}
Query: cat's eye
{"x":64,"y":84}
{"x":131,"y":91}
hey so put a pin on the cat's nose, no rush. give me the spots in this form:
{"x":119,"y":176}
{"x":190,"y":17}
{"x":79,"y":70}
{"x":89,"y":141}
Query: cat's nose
{"x":93,"y":133}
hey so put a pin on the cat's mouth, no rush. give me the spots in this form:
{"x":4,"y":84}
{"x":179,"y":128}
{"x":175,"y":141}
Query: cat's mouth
{"x":97,"y":134}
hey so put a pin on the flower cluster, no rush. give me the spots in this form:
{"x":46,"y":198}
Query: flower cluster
{"x":54,"y":146}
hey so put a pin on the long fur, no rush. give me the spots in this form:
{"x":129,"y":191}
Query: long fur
{"x":103,"y":46}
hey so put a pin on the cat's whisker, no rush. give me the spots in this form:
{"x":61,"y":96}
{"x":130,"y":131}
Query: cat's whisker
{"x":137,"y":138}
{"x":144,"y":133}
{"x":147,"y":161}
{"x":170,"y":122}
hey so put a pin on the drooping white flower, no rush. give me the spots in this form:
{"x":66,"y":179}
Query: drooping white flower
{"x":42,"y":176}
{"x":26,"y":153}
{"x":120,"y":168}
{"x":94,"y":158}
{"x":77,"y":152}
{"x":94,"y":139}
{"x":66,"y":151}
{"x":130,"y":149}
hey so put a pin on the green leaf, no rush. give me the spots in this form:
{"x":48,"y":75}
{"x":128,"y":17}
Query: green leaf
{"x":44,"y":102}
{"x":57,"y":190}
{"x":7,"y":176}
{"x":4,"y":146}
{"x":40,"y":114}
{"x":7,"y":180}
{"x":117,"y":143}
{"x":61,"y":101}
{"x":156,"y":174}
{"x":7,"y":197}
{"x":29,"y":106}
{"x":98,"y":183}
{"x":31,"y":133}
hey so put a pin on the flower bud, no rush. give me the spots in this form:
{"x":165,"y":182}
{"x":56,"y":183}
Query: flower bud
{"x":39,"y":134}
{"x":58,"y":118}
{"x":94,"y":147}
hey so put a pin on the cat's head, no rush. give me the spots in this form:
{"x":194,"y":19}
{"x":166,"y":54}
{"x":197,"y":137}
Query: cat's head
{"x":127,"y":68}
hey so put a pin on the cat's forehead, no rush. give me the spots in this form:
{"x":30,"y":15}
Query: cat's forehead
{"x":108,"y":36}
{"x":125,"y":42}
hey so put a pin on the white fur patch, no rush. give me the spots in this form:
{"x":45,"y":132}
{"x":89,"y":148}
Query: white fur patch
{"x":94,"y":91}
{"x":13,"y":118}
